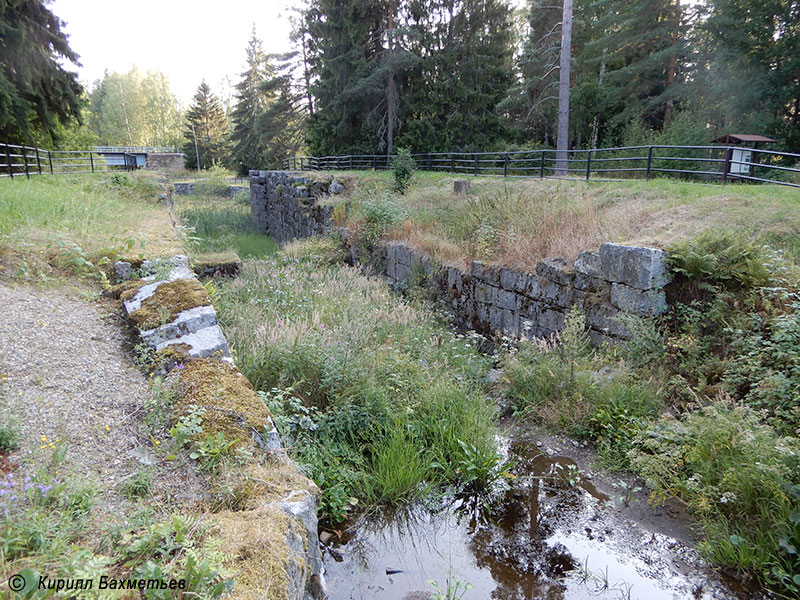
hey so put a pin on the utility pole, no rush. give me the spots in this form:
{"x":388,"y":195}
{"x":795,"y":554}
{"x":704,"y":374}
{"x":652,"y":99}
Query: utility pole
{"x":391,"y":92}
{"x":562,"y":144}
{"x":196,"y":153}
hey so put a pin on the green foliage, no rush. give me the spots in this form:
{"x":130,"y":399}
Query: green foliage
{"x":206,"y":131}
{"x":721,"y":258}
{"x":131,"y":109}
{"x":251,"y":100}
{"x":281,"y":124}
{"x":570,"y":386}
{"x":223,"y":225}
{"x":481,"y":468}
{"x":380,"y":213}
{"x":8,"y":437}
{"x":37,"y":92}
{"x":403,"y":166}
{"x":764,"y":370}
{"x":138,"y":486}
{"x":214,"y":181}
{"x":733,"y":471}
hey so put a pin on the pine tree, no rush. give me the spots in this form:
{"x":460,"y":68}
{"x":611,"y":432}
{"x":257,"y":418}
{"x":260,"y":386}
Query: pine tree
{"x":207,"y":126}
{"x":251,"y":101}
{"x":36,"y":92}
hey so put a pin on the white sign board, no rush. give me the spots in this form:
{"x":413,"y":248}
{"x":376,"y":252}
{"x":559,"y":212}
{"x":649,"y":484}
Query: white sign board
{"x":738,"y":157}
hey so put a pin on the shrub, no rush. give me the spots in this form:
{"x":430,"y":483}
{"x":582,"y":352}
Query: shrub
{"x":740,"y":478}
{"x":403,"y":166}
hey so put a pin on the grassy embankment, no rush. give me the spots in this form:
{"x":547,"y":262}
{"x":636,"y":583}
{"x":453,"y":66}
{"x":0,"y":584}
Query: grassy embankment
{"x":52,"y":226}
{"x":516,"y":222}
{"x":179,"y":511}
{"x":704,"y":403}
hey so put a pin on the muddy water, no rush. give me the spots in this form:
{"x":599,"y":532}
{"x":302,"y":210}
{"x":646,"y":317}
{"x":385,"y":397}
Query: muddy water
{"x":553,"y":536}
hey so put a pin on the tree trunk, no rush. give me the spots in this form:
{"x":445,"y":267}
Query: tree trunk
{"x":673,"y":64}
{"x":562,"y":144}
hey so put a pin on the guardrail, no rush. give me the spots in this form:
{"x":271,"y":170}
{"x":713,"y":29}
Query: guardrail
{"x":705,"y":163}
{"x":18,"y":161}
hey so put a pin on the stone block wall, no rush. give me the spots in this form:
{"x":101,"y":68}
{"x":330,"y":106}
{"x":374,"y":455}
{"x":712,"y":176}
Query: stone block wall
{"x":285,"y":207}
{"x":616,"y":280}
{"x":164,"y":161}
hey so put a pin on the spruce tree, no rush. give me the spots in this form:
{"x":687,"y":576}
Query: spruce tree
{"x":749,"y":75}
{"x":348,"y":88}
{"x":637,"y":48}
{"x":281,"y":126}
{"x":451,"y":97}
{"x":36,"y":92}
{"x":207,"y":124}
{"x":251,"y":101}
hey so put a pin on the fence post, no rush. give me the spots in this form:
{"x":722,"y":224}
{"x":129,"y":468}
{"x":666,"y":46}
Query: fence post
{"x":351,"y":162}
{"x":649,"y":162}
{"x":452,"y":164}
{"x":8,"y":163}
{"x":726,"y":168}
{"x":475,"y":165}
{"x":50,"y":161}
{"x":541,"y":167}
{"x":91,"y":160}
{"x":588,"y":164}
{"x":25,"y":162}
{"x":38,"y":161}
{"x":505,"y":165}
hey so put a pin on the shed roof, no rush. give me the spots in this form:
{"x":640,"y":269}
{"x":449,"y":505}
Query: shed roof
{"x":741,"y":137}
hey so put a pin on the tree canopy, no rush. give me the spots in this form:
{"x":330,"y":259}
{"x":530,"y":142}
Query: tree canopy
{"x":37,"y":94}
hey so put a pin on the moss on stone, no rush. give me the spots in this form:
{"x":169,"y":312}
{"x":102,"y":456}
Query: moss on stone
{"x":219,"y":263}
{"x":231,"y":404}
{"x":169,"y":300}
{"x":127,"y":289}
{"x":256,"y":541}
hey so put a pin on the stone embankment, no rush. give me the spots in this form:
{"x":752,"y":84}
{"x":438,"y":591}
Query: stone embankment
{"x":172,"y":313}
{"x":607,"y":284}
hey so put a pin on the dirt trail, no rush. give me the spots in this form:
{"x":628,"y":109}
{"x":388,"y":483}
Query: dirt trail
{"x":67,"y":380}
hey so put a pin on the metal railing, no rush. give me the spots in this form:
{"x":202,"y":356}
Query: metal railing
{"x":136,"y":149}
{"x":19,"y":161}
{"x":721,"y":164}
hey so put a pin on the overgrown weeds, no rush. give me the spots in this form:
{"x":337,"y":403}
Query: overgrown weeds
{"x":373,"y":396}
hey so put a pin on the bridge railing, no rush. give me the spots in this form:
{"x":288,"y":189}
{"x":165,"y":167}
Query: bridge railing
{"x":25,"y":161}
{"x":136,"y":149}
{"x":715,"y":164}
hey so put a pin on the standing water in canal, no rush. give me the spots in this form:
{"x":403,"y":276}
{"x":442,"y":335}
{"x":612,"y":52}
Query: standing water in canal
{"x":553,"y":536}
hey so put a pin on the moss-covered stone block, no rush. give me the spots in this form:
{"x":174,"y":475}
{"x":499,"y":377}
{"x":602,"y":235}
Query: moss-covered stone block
{"x":167,"y":302}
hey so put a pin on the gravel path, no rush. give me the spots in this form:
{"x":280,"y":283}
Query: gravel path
{"x":65,"y":378}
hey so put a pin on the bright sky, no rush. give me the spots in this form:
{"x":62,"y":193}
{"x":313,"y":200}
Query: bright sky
{"x":189,"y":40}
